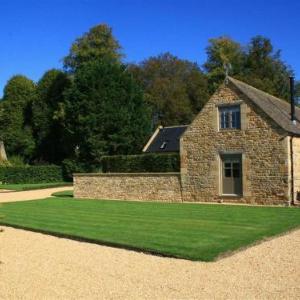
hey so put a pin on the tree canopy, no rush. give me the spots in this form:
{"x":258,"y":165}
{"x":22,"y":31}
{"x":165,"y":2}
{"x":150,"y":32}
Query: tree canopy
{"x":98,"y":43}
{"x":48,"y":116}
{"x":97,"y":105}
{"x":223,"y":53}
{"x":15,"y":116}
{"x":175,"y":89}
{"x":257,"y":64}
{"x":105,"y":112}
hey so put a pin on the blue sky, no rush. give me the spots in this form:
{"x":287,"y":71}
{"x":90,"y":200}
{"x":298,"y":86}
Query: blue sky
{"x":35,"y":35}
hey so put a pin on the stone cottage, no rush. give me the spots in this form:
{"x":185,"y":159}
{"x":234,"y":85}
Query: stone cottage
{"x":242,"y":147}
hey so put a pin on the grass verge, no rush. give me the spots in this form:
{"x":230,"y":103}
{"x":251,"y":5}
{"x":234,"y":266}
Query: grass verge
{"x":64,"y":194}
{"x":190,"y":231}
{"x":33,"y":186}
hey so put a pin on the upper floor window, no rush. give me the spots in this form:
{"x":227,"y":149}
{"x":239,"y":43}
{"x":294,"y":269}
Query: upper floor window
{"x":230,"y":117}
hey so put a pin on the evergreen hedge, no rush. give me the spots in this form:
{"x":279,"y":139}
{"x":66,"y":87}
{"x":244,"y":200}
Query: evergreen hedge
{"x":143,"y":163}
{"x":31,"y":174}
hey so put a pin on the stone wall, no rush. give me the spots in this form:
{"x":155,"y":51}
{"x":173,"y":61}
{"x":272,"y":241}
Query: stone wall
{"x":129,"y":186}
{"x":296,"y":161}
{"x":262,"y":143}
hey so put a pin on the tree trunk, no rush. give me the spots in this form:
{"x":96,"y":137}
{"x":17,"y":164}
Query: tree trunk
{"x":3,"y":156}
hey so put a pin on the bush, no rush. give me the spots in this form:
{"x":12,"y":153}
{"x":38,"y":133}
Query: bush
{"x":4,"y":163}
{"x":70,"y":166}
{"x":16,"y":161}
{"x":141,"y":163}
{"x":31,"y":174}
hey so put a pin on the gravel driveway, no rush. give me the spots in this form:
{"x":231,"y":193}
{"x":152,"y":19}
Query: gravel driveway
{"x":30,"y":195}
{"x":37,"y":266}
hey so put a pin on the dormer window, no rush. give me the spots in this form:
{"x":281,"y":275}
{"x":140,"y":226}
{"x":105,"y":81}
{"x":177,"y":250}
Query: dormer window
{"x":230,"y":117}
{"x":163,"y":145}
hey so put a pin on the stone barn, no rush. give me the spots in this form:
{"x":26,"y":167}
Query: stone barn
{"x":242,"y":147}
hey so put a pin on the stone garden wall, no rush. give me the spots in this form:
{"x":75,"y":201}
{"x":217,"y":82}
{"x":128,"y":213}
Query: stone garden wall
{"x":128,"y":186}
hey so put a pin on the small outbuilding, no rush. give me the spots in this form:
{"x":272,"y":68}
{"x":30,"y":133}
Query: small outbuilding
{"x":242,"y":147}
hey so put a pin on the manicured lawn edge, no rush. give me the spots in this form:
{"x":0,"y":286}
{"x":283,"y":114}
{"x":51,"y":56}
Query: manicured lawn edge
{"x":94,"y":241}
{"x":255,"y":243}
{"x":66,"y":194}
{"x":33,"y":186}
{"x":192,"y":232}
{"x":145,"y":250}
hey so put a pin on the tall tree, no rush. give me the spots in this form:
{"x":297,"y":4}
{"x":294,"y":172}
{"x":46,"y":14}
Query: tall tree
{"x":257,"y":64}
{"x":222,"y":53}
{"x":105,"y":112}
{"x":15,"y":116}
{"x":48,"y":116}
{"x":265,"y":69}
{"x":176,"y":89}
{"x":98,"y":43}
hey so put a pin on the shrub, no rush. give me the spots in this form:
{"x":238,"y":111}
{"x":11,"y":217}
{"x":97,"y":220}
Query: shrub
{"x":70,"y":166}
{"x":4,"y":163}
{"x":141,"y":163}
{"x":31,"y":174}
{"x":17,"y":161}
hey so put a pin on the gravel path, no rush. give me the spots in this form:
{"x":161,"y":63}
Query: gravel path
{"x":31,"y":195}
{"x":37,"y":266}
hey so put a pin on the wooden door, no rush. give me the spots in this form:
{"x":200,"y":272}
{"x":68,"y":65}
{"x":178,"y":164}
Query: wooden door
{"x":232,"y":174}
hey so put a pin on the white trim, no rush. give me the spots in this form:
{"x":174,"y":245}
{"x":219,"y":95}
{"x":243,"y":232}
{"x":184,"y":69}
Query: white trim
{"x":152,"y":138}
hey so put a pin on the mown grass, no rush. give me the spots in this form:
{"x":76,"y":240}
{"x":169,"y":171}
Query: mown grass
{"x":33,"y":186}
{"x":190,"y":231}
{"x":65,"y":194}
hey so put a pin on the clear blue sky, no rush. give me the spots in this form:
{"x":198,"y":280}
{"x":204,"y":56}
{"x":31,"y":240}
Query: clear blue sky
{"x":35,"y":35}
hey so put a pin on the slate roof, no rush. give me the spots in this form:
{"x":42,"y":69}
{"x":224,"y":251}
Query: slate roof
{"x":277,"y":109}
{"x":165,"y":139}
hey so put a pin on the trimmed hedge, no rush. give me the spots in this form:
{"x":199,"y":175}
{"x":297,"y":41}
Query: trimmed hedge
{"x":70,"y":166}
{"x":31,"y":174}
{"x":143,"y":163}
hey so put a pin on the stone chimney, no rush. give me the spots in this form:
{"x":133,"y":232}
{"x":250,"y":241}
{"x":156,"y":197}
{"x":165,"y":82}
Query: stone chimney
{"x":3,"y":156}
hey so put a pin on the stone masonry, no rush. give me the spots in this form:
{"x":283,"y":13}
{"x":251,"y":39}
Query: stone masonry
{"x":296,"y":166}
{"x":261,"y":142}
{"x":265,"y":150}
{"x":129,"y":186}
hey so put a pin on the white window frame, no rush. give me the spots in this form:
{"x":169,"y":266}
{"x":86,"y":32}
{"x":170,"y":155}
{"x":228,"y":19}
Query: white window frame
{"x":231,"y":112}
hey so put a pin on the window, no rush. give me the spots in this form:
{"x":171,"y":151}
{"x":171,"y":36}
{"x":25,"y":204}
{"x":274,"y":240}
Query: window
{"x":230,"y":117}
{"x":163,"y":145}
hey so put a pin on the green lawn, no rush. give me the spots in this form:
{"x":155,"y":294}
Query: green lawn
{"x":191,"y":231}
{"x":65,"y":194}
{"x":33,"y":186}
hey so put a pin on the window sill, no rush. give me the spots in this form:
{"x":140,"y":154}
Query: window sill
{"x":229,"y":129}
{"x":230,"y":196}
